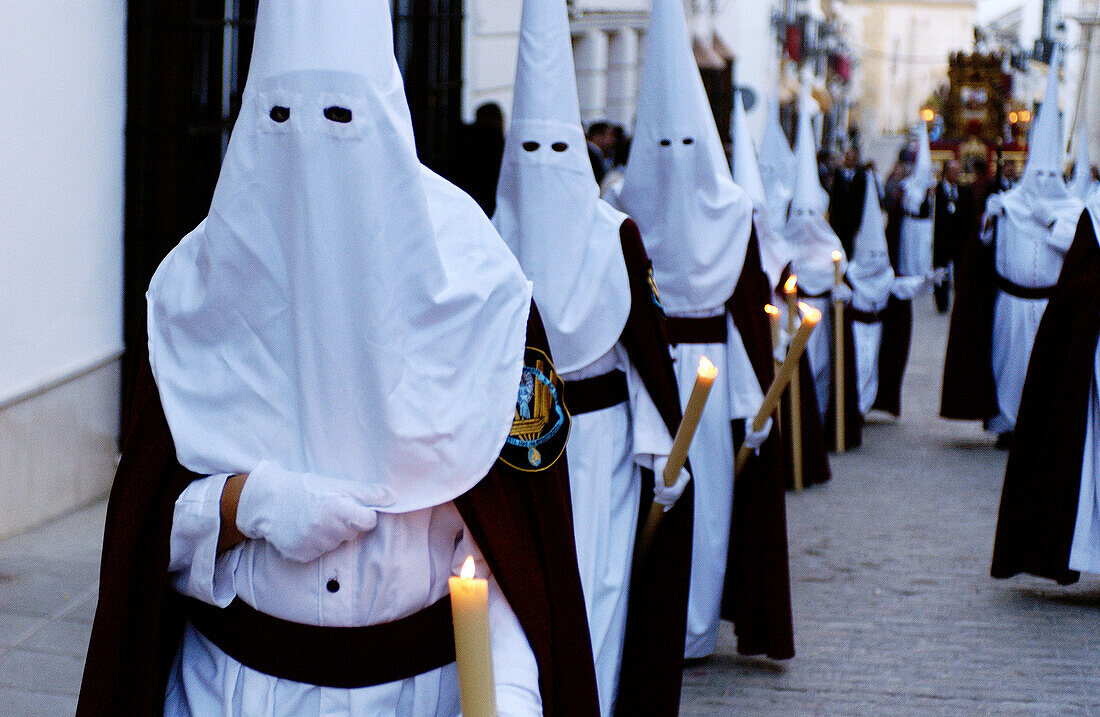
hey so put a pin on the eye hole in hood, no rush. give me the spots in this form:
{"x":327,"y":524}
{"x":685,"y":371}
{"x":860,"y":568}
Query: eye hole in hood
{"x":338,"y":114}
{"x":531,"y":146}
{"x":559,"y":146}
{"x":279,"y":113}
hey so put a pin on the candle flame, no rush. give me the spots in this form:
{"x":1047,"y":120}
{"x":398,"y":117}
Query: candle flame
{"x":707,"y":369}
{"x":837,"y":256}
{"x":467,"y":572}
{"x":771,"y":310}
{"x":792,"y":284}
{"x":809,"y":313}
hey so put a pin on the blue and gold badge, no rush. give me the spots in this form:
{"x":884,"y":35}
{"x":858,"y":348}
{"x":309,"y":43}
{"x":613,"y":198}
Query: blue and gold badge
{"x":541,"y":425}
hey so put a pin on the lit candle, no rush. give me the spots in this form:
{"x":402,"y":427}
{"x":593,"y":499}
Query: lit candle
{"x":790,"y":292}
{"x":470,"y":610}
{"x":677,"y":456}
{"x":838,"y":357}
{"x":787,"y":374}
{"x":773,"y":317}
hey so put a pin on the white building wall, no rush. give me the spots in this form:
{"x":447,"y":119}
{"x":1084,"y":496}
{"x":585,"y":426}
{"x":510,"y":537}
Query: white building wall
{"x":746,"y":28}
{"x":61,"y":196}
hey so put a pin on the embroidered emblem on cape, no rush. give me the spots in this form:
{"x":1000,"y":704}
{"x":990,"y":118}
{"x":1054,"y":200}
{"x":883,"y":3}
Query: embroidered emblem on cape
{"x":653,"y":290}
{"x":541,"y":425}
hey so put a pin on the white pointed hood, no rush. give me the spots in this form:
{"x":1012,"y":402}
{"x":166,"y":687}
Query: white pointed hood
{"x":923,"y":177}
{"x":870,"y":272}
{"x":1082,"y":185}
{"x":695,"y":221}
{"x":775,"y":253}
{"x":549,"y":209}
{"x":777,"y":167}
{"x":1041,"y":196}
{"x":341,"y":310}
{"x":811,"y":238}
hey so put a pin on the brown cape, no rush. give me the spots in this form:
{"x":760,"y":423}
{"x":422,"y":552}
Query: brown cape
{"x":815,"y":453}
{"x":653,"y":648}
{"x":893,"y":354}
{"x":757,"y":591}
{"x":853,"y":419}
{"x":969,"y":391}
{"x":522,"y":524}
{"x":1043,"y":479}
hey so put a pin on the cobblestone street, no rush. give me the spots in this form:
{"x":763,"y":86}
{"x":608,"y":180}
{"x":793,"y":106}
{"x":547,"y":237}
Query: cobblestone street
{"x":895,"y":613}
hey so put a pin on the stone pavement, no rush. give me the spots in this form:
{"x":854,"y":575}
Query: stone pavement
{"x":894,"y":611}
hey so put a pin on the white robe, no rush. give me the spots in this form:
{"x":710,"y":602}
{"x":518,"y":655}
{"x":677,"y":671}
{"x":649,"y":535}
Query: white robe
{"x":1028,"y":260}
{"x":712,"y":456}
{"x":398,"y":568}
{"x":868,"y":337}
{"x":915,"y":241}
{"x":1085,"y":551}
{"x":606,"y":452}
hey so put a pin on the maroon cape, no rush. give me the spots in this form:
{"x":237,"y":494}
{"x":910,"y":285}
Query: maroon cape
{"x":893,"y":354}
{"x":815,"y":453}
{"x":1043,"y":478}
{"x":969,"y":392}
{"x":522,"y":525}
{"x":897,"y":326}
{"x":653,"y":647}
{"x":853,"y":419}
{"x":757,"y":591}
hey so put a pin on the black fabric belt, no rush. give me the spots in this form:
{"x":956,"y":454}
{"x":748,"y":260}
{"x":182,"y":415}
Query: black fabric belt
{"x":342,"y":657}
{"x":865,"y":317}
{"x":1023,"y":292}
{"x":823,"y":295}
{"x":588,"y":395}
{"x":911,"y":215}
{"x":709,"y":330}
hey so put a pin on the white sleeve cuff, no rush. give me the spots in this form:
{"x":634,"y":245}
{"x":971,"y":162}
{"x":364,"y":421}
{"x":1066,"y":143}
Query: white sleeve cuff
{"x":197,"y":569}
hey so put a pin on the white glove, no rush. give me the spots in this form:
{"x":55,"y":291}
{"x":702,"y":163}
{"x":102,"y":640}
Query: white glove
{"x":304,"y":515}
{"x":665,"y":495}
{"x":938,"y":276}
{"x":755,"y":439}
{"x":841,"y":292}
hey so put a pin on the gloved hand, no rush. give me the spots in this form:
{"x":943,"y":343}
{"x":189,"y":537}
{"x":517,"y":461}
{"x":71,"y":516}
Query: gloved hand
{"x":1043,"y":215}
{"x":755,"y":439}
{"x":841,"y":292}
{"x":304,"y":515}
{"x":662,"y":494}
{"x":938,"y":276}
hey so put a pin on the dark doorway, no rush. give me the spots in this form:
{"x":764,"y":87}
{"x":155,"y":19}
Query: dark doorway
{"x":187,"y":64}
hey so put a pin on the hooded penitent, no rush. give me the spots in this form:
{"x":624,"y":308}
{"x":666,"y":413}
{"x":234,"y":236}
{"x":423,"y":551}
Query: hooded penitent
{"x":811,"y":238}
{"x":695,"y":221}
{"x":923,"y":178}
{"x":548,"y":206}
{"x":870,"y":272}
{"x":289,"y":327}
{"x":774,"y":251}
{"x":777,"y":167}
{"x":1041,"y":197}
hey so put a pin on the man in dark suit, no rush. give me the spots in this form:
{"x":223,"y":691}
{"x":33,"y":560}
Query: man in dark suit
{"x":954,"y":220}
{"x":846,"y":194}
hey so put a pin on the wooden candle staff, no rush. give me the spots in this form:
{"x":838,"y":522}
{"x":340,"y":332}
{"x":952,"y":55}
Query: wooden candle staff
{"x":473,"y":650}
{"x":838,"y":355}
{"x":788,"y":373}
{"x":677,"y":457}
{"x":790,"y":293}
